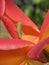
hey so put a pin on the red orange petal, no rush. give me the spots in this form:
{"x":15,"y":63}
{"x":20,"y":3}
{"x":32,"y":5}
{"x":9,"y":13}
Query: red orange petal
{"x":7,"y":44}
{"x":35,"y":52}
{"x":14,"y":12}
{"x":12,"y":51}
{"x":10,"y":26}
{"x":44,"y":33}
{"x":2,"y":7}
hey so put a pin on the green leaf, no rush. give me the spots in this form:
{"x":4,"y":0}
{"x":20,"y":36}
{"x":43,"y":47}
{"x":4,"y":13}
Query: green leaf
{"x":36,"y":1}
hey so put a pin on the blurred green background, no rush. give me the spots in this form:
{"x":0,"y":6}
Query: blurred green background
{"x":34,"y":9}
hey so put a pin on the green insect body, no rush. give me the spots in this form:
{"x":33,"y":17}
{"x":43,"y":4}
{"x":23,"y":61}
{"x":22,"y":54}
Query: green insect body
{"x":19,"y":29}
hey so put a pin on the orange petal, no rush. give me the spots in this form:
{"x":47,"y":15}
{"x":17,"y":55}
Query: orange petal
{"x":23,"y":63}
{"x":2,"y":7}
{"x":13,"y":51}
{"x":44,"y":33}
{"x":11,"y":57}
{"x":14,"y":13}
{"x":10,"y":26}
{"x":33,"y":39}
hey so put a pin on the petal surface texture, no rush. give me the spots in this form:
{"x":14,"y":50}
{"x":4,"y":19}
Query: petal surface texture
{"x":35,"y":52}
{"x":13,"y":51}
{"x":10,"y":26}
{"x":7,"y":44}
{"x":2,"y":7}
{"x":44,"y":33}
{"x":15,"y":14}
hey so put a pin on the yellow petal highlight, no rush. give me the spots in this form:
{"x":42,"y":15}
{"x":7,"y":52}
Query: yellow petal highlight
{"x":32,"y":62}
{"x":46,"y":34}
{"x":26,"y":64}
{"x":47,"y":48}
{"x":30,"y":38}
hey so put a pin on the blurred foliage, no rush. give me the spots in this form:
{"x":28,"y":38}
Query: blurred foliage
{"x":34,"y":9}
